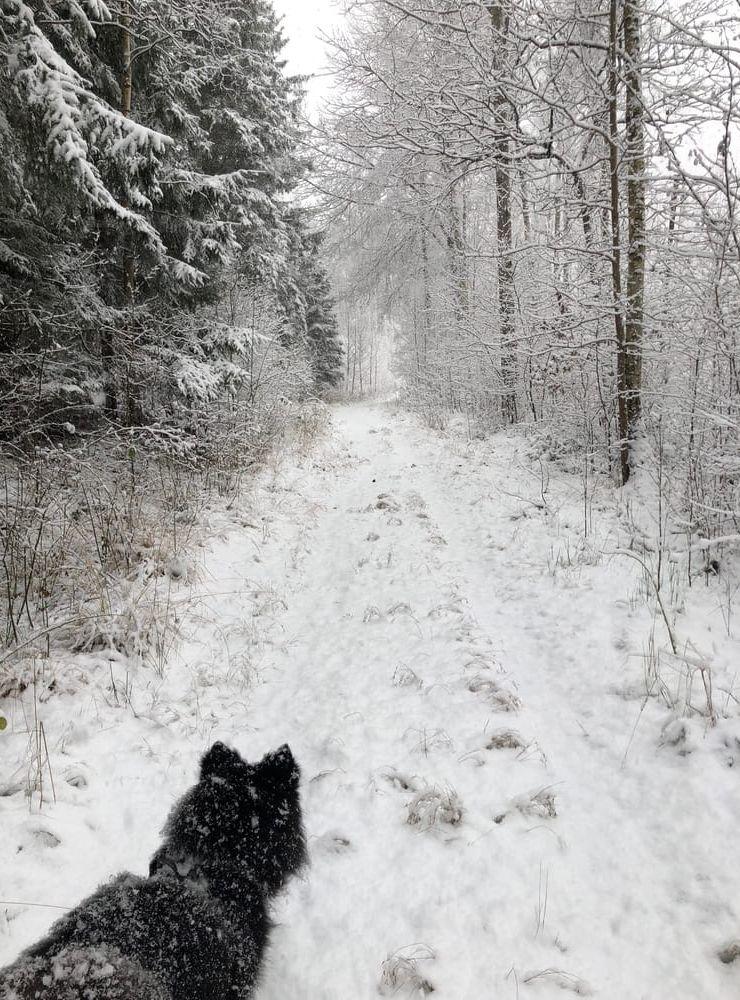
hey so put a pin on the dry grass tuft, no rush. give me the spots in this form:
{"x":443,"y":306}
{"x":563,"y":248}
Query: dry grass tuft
{"x":498,"y":697}
{"x":558,"y":977}
{"x":505,"y":739}
{"x":540,"y":804}
{"x":96,"y":541}
{"x":433,"y":806}
{"x":400,"y":972}
{"x":426,"y":740}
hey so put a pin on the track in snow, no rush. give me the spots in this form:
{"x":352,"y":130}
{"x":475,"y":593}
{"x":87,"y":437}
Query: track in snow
{"x":485,"y":793}
{"x":432,"y":557}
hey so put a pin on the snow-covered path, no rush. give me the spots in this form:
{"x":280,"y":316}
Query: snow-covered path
{"x":486,"y":790}
{"x":420,"y":562}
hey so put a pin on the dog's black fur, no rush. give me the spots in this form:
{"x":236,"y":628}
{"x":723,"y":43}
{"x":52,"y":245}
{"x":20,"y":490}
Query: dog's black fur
{"x":196,"y":928}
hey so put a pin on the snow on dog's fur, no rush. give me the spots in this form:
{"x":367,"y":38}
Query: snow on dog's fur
{"x":197,"y":926}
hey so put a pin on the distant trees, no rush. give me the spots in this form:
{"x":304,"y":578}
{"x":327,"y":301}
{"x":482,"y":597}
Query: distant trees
{"x":533,"y":194}
{"x":308,"y":300}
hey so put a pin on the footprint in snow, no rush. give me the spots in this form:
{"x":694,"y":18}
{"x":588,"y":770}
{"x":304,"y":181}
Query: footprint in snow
{"x":76,"y":777}
{"x":730,"y":750}
{"x":332,"y":842}
{"x":401,"y":782}
{"x":676,"y":734}
{"x":42,"y":838}
{"x":415,"y":501}
{"x":730,"y":953}
{"x":386,"y":502}
{"x":404,"y":676}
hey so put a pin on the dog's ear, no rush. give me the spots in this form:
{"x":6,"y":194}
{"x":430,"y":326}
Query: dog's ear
{"x":219,"y":761}
{"x":158,"y":861}
{"x":280,"y":766}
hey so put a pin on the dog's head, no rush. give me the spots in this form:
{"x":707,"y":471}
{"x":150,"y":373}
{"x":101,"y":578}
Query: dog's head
{"x":244,"y":813}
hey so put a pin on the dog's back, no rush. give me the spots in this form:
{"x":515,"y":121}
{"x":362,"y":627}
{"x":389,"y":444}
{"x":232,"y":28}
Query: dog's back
{"x":155,"y":937}
{"x":80,"y":974}
{"x":196,"y":928}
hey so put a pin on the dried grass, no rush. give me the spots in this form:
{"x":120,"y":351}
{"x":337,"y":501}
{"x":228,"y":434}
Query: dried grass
{"x":400,"y":973}
{"x":505,"y":739}
{"x":432,"y":807}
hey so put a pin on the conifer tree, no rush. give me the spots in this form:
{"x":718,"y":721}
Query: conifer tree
{"x":308,"y":302}
{"x":155,"y":147}
{"x":70,"y":164}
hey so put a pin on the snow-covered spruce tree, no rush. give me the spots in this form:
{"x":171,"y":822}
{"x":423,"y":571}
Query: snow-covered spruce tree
{"x":322,"y":328}
{"x":156,"y":143}
{"x":308,"y":301}
{"x":216,"y":86}
{"x":63,"y":142}
{"x":209,"y":77}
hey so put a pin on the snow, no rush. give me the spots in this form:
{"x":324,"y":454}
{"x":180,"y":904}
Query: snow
{"x":73,"y":117}
{"x":494,"y":806}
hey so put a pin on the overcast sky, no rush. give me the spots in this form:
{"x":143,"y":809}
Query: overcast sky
{"x":305,"y":53}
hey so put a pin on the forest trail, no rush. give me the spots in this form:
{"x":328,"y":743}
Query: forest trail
{"x":490,"y":806}
{"x":427,"y":623}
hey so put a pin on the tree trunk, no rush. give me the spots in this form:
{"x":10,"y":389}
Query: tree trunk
{"x":426,"y":316}
{"x":616,"y":257}
{"x":126,"y":94}
{"x":636,"y":213}
{"x":455,"y":242}
{"x":349,"y":342}
{"x":526,"y":210}
{"x":110,"y":350}
{"x":132,"y":401}
{"x":506,"y":301}
{"x":506,"y":283}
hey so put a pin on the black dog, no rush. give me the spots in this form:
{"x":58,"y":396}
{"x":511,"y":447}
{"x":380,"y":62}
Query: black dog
{"x":196,"y":928}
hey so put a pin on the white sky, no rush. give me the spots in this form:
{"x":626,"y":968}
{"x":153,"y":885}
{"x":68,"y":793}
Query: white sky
{"x":305,"y":53}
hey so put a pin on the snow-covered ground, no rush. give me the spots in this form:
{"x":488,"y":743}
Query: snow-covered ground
{"x":494,"y":806}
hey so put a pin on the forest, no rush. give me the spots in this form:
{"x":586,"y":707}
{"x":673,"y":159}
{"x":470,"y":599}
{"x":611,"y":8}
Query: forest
{"x":399,"y":423}
{"x":163,"y":300}
{"x":540,"y":199}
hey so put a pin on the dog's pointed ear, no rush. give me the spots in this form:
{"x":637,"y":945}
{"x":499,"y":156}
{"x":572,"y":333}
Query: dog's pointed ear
{"x":219,"y":760}
{"x":158,"y":861}
{"x":280,"y":766}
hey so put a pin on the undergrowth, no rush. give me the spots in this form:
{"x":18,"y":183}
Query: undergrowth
{"x":97,"y":540}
